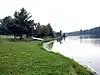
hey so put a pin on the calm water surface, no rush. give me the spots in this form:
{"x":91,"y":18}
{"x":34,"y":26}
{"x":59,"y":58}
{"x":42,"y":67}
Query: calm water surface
{"x":84,"y":51}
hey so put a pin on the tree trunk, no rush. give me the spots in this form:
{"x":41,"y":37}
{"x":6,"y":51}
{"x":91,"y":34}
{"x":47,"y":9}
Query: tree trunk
{"x":21,"y":36}
{"x":14,"y":35}
{"x":27,"y":37}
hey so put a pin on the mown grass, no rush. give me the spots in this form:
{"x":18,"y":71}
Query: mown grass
{"x":29,"y":58}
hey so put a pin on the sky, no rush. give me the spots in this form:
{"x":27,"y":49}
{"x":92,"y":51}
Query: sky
{"x":65,"y":15}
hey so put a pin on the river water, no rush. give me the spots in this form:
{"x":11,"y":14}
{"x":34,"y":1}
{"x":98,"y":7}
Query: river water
{"x":85,"y":51}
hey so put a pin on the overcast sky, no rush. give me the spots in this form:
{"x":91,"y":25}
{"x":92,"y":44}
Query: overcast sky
{"x":65,"y":15}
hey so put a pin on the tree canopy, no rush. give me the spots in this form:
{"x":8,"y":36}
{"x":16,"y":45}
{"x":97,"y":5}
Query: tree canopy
{"x":23,"y":24}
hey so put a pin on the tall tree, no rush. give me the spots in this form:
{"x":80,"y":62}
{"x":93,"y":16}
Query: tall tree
{"x":31,"y":28}
{"x":5,"y":22}
{"x":22,"y":20}
{"x":50,"y":29}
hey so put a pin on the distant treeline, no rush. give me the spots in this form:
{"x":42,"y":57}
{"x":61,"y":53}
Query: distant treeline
{"x":23,"y":24}
{"x":93,"y":31}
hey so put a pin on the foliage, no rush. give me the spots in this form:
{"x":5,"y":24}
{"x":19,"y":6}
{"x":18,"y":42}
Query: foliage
{"x":93,"y":31}
{"x":50,"y":29}
{"x":43,"y":30}
{"x":5,"y":22}
{"x":23,"y":24}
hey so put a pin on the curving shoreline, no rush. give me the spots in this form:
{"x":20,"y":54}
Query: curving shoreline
{"x":45,"y":46}
{"x":30,"y":58}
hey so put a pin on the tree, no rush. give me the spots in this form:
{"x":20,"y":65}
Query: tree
{"x":50,"y":29}
{"x":5,"y":22}
{"x":42,"y":30}
{"x":22,"y":22}
{"x":37,"y":26}
{"x":31,"y":28}
{"x":60,"y":32}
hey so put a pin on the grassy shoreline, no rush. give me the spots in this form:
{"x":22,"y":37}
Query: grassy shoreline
{"x":29,"y":58}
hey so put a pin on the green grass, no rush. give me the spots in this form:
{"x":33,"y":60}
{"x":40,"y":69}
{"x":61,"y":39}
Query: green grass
{"x":29,"y":58}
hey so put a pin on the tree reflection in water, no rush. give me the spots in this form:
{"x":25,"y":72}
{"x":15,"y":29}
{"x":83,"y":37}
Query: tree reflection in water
{"x":50,"y":45}
{"x":59,"y":39}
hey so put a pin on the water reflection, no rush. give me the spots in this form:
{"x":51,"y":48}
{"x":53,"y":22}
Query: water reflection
{"x":85,"y":51}
{"x":96,"y":42}
{"x":48,"y":46}
{"x":60,"y":39}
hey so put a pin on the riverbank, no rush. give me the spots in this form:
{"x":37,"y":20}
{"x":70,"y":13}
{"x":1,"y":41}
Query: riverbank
{"x":48,"y":39}
{"x":29,"y":58}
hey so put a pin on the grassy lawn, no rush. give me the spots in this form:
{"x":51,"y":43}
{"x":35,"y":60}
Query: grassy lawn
{"x":29,"y":58}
